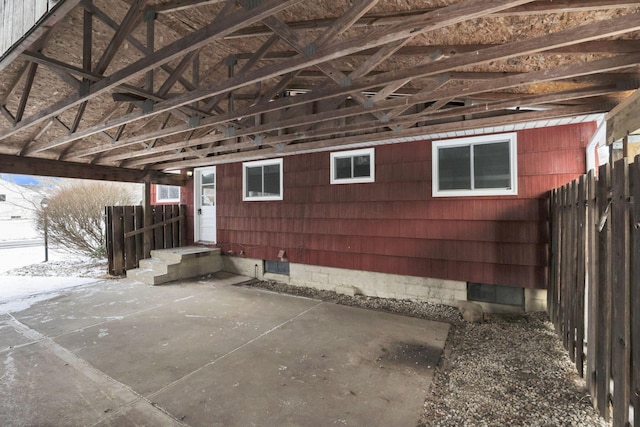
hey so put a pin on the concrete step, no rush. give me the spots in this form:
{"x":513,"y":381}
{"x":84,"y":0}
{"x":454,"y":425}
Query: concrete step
{"x":167,"y":265}
{"x":156,"y":265}
{"x":143,"y":275}
{"x":176,"y":255}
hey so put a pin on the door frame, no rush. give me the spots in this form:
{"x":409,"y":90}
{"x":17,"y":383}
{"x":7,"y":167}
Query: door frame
{"x":197,"y":201}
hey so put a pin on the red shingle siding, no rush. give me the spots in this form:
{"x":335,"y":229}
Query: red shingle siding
{"x":394,"y":225}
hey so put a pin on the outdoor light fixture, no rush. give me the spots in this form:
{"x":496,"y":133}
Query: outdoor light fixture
{"x":44,"y":203}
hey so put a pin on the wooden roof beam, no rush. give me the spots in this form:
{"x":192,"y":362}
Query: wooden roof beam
{"x":98,"y":13}
{"x":384,"y":19}
{"x":445,"y":16}
{"x":596,"y":46}
{"x":428,"y":113}
{"x":177,"y":5}
{"x":350,"y":141}
{"x":433,"y":96}
{"x":567,"y":37}
{"x":47,"y":167}
{"x":403,"y":122}
{"x":130,"y":21}
{"x":193,"y":41}
{"x":624,"y":119}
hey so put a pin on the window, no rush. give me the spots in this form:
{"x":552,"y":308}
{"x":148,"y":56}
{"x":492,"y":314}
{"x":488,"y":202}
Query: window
{"x":348,"y":167}
{"x":276,"y":267}
{"x":495,"y":294}
{"x":3,"y":197}
{"x":477,"y":166}
{"x":167,"y":193}
{"x":262,"y":180}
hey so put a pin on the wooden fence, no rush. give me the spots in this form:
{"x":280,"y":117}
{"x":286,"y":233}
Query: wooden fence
{"x":594,"y":284}
{"x":125,"y":230}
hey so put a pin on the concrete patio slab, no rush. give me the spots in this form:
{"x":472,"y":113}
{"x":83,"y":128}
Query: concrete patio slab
{"x":207,"y":353}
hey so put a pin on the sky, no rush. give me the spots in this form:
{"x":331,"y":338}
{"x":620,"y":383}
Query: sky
{"x":20,"y":179}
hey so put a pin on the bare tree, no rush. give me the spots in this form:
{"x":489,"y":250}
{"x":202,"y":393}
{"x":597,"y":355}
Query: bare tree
{"x":75,"y":215}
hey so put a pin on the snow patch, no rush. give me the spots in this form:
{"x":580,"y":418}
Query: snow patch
{"x":18,"y":293}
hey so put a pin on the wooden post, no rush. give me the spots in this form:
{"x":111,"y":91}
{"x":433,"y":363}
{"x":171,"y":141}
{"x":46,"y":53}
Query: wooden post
{"x":621,"y":295}
{"x":148,"y":220}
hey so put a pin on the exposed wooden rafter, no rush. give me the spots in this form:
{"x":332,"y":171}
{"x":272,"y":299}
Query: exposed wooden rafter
{"x":181,"y":83}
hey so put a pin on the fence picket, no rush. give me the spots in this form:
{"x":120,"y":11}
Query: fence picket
{"x":158,"y":233}
{"x":580,"y":273}
{"x":594,"y":269}
{"x":138,"y":220}
{"x":620,"y":349}
{"x":593,"y":327}
{"x":603,"y":228}
{"x":564,"y":272}
{"x":634,"y":177}
{"x":129,"y":242}
{"x":552,"y":291}
{"x":571,"y":271}
{"x":108,"y":220}
{"x":118,"y":240}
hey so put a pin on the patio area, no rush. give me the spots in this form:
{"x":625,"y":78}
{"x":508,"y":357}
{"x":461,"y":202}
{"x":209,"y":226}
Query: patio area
{"x":208,"y":353}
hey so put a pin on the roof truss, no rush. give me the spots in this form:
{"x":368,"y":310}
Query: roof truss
{"x":156,"y":85}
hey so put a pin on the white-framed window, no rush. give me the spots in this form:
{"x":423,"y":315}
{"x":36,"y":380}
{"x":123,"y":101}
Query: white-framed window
{"x":167,"y":193}
{"x":262,"y":180}
{"x":354,"y":166}
{"x":476,"y":166}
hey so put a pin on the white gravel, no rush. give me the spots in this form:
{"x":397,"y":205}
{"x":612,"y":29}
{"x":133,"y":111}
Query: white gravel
{"x":508,"y":371}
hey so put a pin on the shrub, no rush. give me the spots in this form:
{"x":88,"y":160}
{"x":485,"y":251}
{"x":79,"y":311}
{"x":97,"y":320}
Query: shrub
{"x":75,"y":215}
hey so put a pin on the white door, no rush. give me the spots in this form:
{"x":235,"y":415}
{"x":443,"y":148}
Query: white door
{"x":205,"y":204}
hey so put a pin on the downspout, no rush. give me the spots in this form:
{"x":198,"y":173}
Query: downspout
{"x":598,"y":136}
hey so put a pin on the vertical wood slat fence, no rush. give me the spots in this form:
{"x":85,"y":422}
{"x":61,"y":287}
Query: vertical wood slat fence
{"x":594,"y":284}
{"x":125,"y":229}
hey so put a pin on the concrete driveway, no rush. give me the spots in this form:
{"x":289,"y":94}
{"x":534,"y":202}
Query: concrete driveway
{"x":207,"y":353}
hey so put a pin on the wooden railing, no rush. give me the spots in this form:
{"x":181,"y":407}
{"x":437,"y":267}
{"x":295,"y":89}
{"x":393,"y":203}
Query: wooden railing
{"x":125,"y":229}
{"x":594,"y":274}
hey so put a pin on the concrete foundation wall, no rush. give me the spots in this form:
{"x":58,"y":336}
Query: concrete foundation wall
{"x":354,"y":282}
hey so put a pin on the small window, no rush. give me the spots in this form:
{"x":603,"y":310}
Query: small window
{"x":495,"y":294}
{"x":3,"y":197}
{"x":262,"y":180}
{"x":167,"y":193}
{"x":478,"y":166}
{"x":276,"y":267}
{"x":355,"y":166}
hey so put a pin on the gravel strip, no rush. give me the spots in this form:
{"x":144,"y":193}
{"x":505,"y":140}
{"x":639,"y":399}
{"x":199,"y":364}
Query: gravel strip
{"x":510,"y":370}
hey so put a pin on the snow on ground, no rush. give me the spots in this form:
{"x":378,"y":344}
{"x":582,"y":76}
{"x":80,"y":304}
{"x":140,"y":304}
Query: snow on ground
{"x":18,"y":293}
{"x":18,"y":229}
{"x":26,"y":279}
